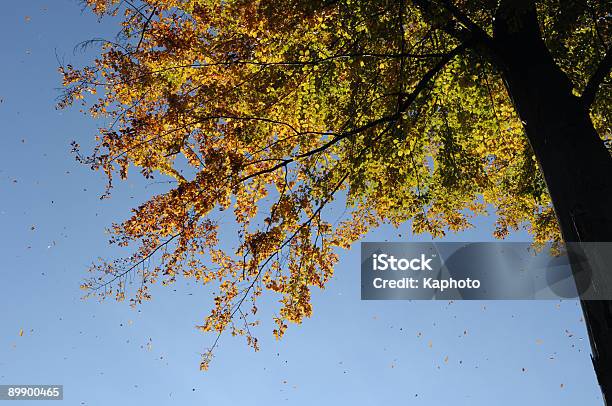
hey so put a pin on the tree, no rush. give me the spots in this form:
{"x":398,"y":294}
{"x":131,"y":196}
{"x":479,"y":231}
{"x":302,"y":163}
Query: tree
{"x":423,"y":111}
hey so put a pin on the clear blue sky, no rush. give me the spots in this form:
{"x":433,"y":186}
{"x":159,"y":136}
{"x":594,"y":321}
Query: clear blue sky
{"x":350,"y":352}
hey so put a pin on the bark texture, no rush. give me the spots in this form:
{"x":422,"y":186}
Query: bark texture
{"x":575,"y":164}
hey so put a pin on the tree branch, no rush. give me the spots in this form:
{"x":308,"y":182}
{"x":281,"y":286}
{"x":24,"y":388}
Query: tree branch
{"x":603,"y":69}
{"x":461,"y":27}
{"x":144,"y":28}
{"x":406,"y":101}
{"x":99,"y":286}
{"x":477,"y":32}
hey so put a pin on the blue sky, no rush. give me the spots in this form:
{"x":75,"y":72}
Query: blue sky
{"x":350,"y":352}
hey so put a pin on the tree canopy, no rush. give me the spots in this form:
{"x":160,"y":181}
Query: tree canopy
{"x":274,"y":109}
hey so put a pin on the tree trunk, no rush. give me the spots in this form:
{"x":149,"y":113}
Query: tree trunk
{"x":575,"y":164}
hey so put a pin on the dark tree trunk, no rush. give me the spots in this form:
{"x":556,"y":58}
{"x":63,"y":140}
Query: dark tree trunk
{"x":575,"y":164}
